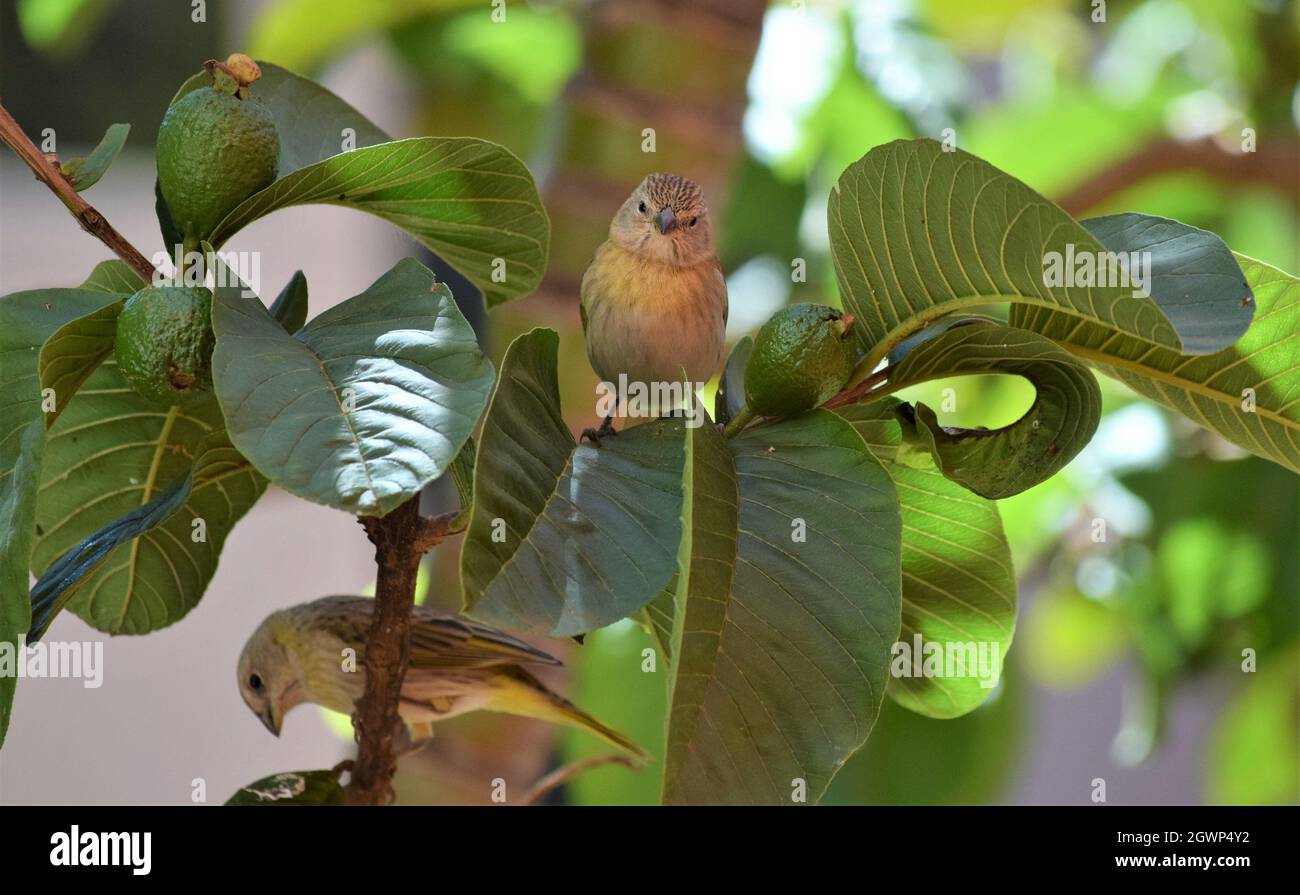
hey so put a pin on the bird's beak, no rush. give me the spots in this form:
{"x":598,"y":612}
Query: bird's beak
{"x":268,"y":718}
{"x":665,"y":220}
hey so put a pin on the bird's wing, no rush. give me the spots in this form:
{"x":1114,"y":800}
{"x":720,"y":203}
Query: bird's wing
{"x":582,"y":292}
{"x":448,"y":641}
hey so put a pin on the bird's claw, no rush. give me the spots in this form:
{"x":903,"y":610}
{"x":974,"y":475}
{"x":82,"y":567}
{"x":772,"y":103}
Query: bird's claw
{"x":595,"y":435}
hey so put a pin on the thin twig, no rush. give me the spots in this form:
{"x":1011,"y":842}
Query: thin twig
{"x":49,"y":173}
{"x":557,"y":778}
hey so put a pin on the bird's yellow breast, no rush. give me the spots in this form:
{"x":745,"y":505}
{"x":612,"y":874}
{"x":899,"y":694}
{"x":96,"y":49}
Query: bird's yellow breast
{"x":646,"y":319}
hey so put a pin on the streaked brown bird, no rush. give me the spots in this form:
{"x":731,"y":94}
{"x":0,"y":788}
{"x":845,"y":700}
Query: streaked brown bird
{"x":315,"y":652}
{"x":654,"y":299}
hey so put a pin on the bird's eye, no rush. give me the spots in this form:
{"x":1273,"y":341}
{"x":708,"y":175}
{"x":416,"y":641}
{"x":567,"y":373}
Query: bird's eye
{"x":255,"y":681}
{"x":693,"y":220}
{"x":641,"y":208}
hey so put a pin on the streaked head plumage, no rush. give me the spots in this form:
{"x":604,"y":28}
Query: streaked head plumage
{"x":666,"y":218}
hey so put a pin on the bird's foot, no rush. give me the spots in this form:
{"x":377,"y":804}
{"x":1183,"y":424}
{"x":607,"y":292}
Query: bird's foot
{"x":595,"y":435}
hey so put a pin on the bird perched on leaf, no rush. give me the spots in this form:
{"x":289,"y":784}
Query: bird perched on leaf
{"x":654,"y":299}
{"x":315,"y":652}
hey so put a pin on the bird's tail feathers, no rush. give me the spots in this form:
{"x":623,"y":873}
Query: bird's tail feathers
{"x":527,"y":696}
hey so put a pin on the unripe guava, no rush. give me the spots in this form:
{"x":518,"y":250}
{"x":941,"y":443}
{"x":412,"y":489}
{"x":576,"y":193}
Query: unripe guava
{"x":215,"y":149}
{"x":164,"y":343}
{"x":802,"y":356}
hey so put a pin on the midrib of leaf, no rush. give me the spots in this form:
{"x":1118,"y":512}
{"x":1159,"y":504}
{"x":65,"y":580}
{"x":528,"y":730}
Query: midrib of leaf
{"x":145,"y":496}
{"x":347,"y":420}
{"x":1186,"y":385}
{"x":683,"y":605}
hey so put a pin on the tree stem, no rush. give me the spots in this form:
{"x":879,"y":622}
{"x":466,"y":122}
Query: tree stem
{"x":388,"y":647}
{"x":49,"y":173}
{"x":401,"y":538}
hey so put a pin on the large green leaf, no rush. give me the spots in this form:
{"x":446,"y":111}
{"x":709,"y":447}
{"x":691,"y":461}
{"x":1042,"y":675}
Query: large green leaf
{"x":362,"y":407}
{"x":565,"y":538}
{"x":917,"y":233}
{"x":110,"y":453}
{"x":1193,"y":276}
{"x":997,"y":463}
{"x":472,"y":202}
{"x":787,"y":605}
{"x":1213,"y":390}
{"x":29,"y":321}
{"x":959,"y":586}
{"x":217,"y":461}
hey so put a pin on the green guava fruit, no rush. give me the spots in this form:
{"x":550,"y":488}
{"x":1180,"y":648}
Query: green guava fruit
{"x":164,"y":343}
{"x":802,"y":356}
{"x":216,"y":147}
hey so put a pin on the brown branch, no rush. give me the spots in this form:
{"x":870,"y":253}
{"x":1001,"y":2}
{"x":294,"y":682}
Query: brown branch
{"x":49,"y":173}
{"x":388,"y":647}
{"x":560,"y":776}
{"x":1274,"y":164}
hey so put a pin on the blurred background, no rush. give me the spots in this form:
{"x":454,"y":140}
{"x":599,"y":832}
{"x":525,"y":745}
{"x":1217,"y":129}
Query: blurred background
{"x":1127,"y":663}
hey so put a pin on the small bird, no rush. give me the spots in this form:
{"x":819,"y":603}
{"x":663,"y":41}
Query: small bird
{"x":315,"y":652}
{"x":654,"y":299}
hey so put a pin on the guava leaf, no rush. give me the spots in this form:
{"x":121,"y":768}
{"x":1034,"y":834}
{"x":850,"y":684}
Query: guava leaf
{"x":362,"y":407}
{"x":28,"y":322}
{"x":959,"y":584}
{"x":111,"y":453}
{"x":565,"y":537}
{"x":216,"y":463}
{"x":918,"y":233}
{"x":470,"y":201}
{"x":292,"y":788}
{"x":1194,"y":277}
{"x":997,"y":463}
{"x":787,"y":602}
{"x":114,"y":276}
{"x":1249,"y":392}
{"x":83,"y":173}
